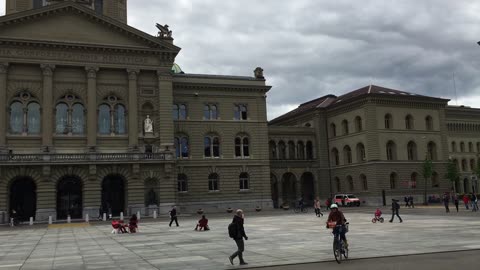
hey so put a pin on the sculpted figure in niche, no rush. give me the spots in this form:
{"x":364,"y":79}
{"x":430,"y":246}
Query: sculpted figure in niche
{"x":148,"y":125}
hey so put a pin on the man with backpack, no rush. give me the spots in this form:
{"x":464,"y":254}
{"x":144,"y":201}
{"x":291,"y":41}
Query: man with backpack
{"x":237,"y":233}
{"x":395,"y":208}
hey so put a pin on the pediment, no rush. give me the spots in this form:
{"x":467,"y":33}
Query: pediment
{"x":72,"y":24}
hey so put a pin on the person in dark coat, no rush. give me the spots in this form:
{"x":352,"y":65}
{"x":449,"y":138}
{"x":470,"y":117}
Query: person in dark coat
{"x":446,"y":201}
{"x":410,"y":201}
{"x":395,"y":208}
{"x":455,"y":200}
{"x":405,"y":199}
{"x":173,"y":216}
{"x":240,"y":235}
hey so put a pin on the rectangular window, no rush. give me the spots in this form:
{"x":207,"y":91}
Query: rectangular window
{"x":38,"y":4}
{"x":99,"y":6}
{"x":213,"y":185}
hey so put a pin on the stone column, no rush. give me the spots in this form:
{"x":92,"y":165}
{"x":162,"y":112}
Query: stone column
{"x":133,"y":109}
{"x":92,"y":108}
{"x":92,"y":190}
{"x":47,"y":106}
{"x":3,"y":105}
{"x":165,"y":87}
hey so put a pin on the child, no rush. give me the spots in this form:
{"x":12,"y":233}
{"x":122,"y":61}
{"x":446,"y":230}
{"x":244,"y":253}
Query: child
{"x":378,"y":213}
{"x":133,"y":224}
{"x":202,"y":224}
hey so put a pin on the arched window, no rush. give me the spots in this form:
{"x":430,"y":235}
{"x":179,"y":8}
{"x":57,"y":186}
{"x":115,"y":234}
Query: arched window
{"x":301,"y":150}
{"x":347,"y":155}
{"x":291,"y":150}
{"x":181,"y":146}
{"x":364,"y":181}
{"x":478,"y":147}
{"x":470,"y":147}
{"x":104,"y":124}
{"x":432,"y":151}
{"x":429,"y":122}
{"x":335,"y":157}
{"x":455,"y":161}
{"x":338,"y":184}
{"x":435,"y":182}
{"x":273,"y":149}
{"x":33,"y":118}
{"x":393,"y":180}
{"x":242,"y":146}
{"x":454,"y":147}
{"x":25,"y":117}
{"x":361,"y":157}
{"x":409,"y":122}
{"x":120,"y":122}
{"x":358,"y":124}
{"x":333,"y":130}
{"x":179,"y":111}
{"x":413,"y":180}
{"x":462,"y":147}
{"x":412,"y":150}
{"x":78,"y":119}
{"x":240,"y":112}
{"x":351,"y":187}
{"x":210,"y":112}
{"x":182,"y":183}
{"x":61,"y":118}
{"x":472,"y":165}
{"x":17,"y":125}
{"x":175,"y":112}
{"x":213,"y":182}
{"x":388,"y":121}
{"x":70,"y":116}
{"x":391,"y":151}
{"x":309,"y":150}
{"x":282,"y":150}
{"x":345,"y":127}
{"x":244,"y":181}
{"x":211,"y":146}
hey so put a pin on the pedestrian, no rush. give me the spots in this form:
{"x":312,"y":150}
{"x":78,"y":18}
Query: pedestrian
{"x":405,"y":199}
{"x":445,"y":202}
{"x":466,"y":200}
{"x":455,"y":201}
{"x":316,"y":205}
{"x":327,"y":203}
{"x":173,"y":216}
{"x":474,"y":202}
{"x":202,"y":224}
{"x":237,"y":232}
{"x":410,"y":201}
{"x":395,"y":208}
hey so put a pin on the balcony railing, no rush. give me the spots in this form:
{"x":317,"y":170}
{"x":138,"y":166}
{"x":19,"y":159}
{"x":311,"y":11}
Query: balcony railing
{"x":85,"y":157}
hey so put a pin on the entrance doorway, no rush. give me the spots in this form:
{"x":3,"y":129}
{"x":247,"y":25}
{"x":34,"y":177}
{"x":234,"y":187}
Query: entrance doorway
{"x":23,"y":198}
{"x":113,"y":195}
{"x":69,"y":198}
{"x":274,"y":190}
{"x":308,"y":187}
{"x":289,"y":189}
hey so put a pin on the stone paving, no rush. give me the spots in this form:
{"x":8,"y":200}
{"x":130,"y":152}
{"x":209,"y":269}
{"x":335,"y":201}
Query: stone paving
{"x":275,"y":238}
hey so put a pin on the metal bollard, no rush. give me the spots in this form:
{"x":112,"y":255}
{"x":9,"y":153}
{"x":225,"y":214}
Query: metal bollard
{"x":50,"y":220}
{"x":69,"y":219}
{"x":155,"y":214}
{"x":31,"y":221}
{"x":87,"y":218}
{"x":138,"y":215}
{"x":121,"y":215}
{"x":104,"y":216}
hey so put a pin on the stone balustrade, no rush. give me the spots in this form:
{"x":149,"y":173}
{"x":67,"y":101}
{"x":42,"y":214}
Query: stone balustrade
{"x":83,"y":157}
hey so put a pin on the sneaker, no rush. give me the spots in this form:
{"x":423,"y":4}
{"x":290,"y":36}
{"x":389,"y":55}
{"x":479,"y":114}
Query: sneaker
{"x":243,"y":263}
{"x":230,"y":259}
{"x":390,"y":221}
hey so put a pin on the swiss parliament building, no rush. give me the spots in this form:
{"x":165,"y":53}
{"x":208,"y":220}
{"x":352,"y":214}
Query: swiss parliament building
{"x":97,"y":117}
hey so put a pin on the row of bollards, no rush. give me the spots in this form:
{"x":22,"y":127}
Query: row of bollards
{"x":87,"y":218}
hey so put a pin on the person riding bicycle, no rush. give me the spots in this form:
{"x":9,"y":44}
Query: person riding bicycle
{"x":378,"y":213}
{"x":338,"y":217}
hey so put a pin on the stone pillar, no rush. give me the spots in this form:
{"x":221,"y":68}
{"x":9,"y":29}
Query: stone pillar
{"x":3,"y":105}
{"x":165,"y":87}
{"x":46,"y":197}
{"x":92,"y":107}
{"x":92,"y":194}
{"x":47,"y":106}
{"x":136,"y":192}
{"x":133,"y":109}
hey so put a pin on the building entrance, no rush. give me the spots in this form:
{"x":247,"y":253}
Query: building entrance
{"x":113,"y":195}
{"x":23,"y":198}
{"x":69,"y":198}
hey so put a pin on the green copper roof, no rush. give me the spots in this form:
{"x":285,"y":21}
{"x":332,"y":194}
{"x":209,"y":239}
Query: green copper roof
{"x":176,"y":69}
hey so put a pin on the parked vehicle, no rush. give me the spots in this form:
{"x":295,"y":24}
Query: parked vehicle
{"x":346,"y":200}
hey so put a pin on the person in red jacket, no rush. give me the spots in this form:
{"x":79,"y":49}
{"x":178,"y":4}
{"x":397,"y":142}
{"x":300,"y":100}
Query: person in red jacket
{"x":466,"y":200}
{"x":133,"y":224}
{"x":202,"y":223}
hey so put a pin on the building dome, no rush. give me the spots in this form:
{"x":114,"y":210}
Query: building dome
{"x":176,"y":69}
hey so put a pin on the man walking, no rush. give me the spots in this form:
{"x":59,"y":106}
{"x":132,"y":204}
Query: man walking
{"x":173,"y":216}
{"x":410,"y":201}
{"x":237,"y":232}
{"x":316,"y":205}
{"x":455,"y":201}
{"x":395,"y":208}
{"x":446,"y":200}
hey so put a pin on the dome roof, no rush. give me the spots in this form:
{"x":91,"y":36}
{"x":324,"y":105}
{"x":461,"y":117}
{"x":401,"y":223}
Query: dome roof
{"x":176,"y":69}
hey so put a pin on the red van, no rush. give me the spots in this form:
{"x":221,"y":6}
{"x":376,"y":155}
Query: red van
{"x":346,"y":200}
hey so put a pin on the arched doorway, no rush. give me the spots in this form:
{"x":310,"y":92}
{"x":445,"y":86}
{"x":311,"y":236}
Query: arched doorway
{"x":151,"y":194}
{"x":274,"y":190}
{"x":23,"y":198}
{"x":308,"y":187}
{"x":69,"y":198}
{"x":465,"y":185}
{"x":289,"y":189}
{"x":113,"y":195}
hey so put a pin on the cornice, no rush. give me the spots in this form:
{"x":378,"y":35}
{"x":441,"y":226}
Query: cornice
{"x":182,"y":85}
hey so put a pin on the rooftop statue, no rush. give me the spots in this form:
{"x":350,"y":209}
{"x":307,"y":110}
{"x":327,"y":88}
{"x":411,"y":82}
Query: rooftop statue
{"x":164,"y":31}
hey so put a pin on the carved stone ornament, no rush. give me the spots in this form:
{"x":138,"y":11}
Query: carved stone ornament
{"x":258,"y":72}
{"x":164,"y":31}
{"x":91,"y":72}
{"x":148,"y":125}
{"x":47,"y":69}
{"x":85,"y":2}
{"x":3,"y":68}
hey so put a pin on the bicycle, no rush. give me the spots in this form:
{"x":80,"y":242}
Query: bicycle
{"x":299,"y":209}
{"x":340,"y":252}
{"x":375,"y":219}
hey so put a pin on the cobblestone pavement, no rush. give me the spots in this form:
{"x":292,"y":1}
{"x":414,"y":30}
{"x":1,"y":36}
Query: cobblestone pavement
{"x":275,"y":238}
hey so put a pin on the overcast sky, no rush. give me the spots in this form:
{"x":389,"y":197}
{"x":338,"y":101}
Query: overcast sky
{"x":309,"y":48}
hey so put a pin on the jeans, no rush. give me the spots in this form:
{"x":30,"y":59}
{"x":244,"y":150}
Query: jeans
{"x":239,"y":252}
{"x":340,"y":230}
{"x":172,"y":219}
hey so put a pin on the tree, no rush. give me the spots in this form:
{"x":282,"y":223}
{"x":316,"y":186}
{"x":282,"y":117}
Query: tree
{"x":452,"y":174}
{"x":427,"y":173}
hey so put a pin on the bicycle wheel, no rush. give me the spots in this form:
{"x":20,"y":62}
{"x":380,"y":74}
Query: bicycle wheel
{"x":305,"y":210}
{"x":337,"y":252}
{"x":345,"y":251}
{"x":381,"y":220}
{"x":296,"y":210}
{"x":374,"y":220}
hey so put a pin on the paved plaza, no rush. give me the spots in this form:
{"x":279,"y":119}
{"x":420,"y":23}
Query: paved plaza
{"x":275,"y":238}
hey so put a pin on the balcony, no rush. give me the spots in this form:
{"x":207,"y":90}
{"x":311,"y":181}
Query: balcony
{"x":84,"y":158}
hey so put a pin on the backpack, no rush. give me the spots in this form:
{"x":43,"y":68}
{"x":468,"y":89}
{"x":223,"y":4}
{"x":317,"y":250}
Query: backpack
{"x":232,"y":230}
{"x":397,"y":206}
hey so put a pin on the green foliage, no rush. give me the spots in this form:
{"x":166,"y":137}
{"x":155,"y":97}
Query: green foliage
{"x":452,"y":172}
{"x":427,"y":168}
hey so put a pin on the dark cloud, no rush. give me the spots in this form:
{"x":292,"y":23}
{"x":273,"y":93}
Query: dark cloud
{"x":312,"y":48}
